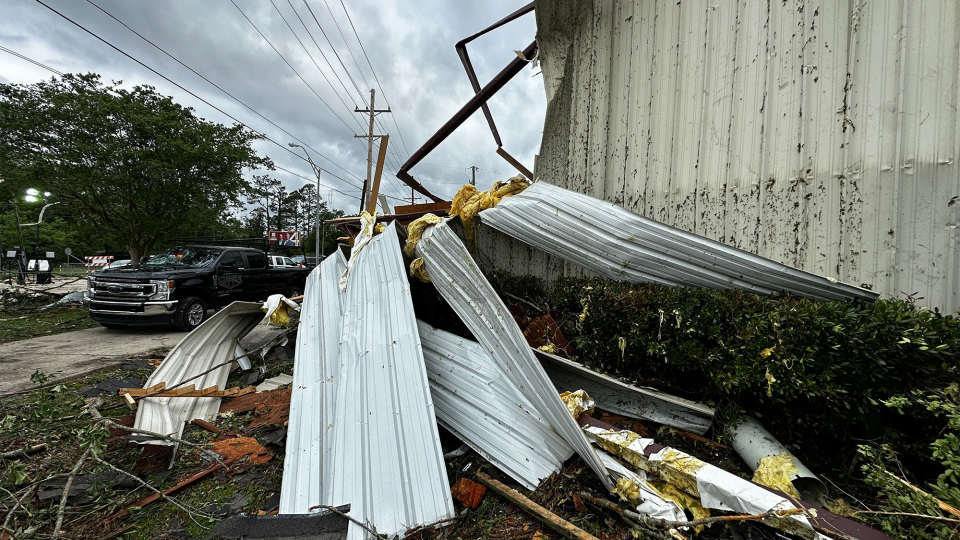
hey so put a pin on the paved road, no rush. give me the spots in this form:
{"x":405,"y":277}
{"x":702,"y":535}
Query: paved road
{"x":75,"y":353}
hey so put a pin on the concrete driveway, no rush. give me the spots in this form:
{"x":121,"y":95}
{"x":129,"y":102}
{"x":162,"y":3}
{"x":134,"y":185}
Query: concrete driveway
{"x":75,"y":353}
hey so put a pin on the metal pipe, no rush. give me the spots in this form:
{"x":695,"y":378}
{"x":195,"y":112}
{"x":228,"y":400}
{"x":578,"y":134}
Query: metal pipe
{"x":495,"y":84}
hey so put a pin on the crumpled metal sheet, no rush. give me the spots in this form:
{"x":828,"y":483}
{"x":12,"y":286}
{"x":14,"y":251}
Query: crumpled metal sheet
{"x":315,"y":377}
{"x":477,"y":402}
{"x":620,"y":398}
{"x":461,"y":283}
{"x":621,"y":245}
{"x":385,"y":457}
{"x":215,"y":341}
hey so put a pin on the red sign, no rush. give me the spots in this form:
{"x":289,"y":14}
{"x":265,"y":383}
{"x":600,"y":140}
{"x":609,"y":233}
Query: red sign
{"x":284,"y":238}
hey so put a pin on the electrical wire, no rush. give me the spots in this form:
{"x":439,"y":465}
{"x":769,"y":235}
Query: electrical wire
{"x":334,"y":49}
{"x":164,"y":77}
{"x":31,"y":60}
{"x":289,"y":65}
{"x":198,"y":74}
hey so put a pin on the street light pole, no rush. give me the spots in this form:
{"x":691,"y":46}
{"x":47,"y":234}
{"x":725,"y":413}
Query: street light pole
{"x":317,"y":171}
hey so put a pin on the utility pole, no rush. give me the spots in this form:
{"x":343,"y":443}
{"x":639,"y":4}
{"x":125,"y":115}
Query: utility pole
{"x":369,"y":137}
{"x":473,"y":175}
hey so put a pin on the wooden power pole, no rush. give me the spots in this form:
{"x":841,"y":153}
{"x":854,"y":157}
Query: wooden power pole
{"x":369,"y":136}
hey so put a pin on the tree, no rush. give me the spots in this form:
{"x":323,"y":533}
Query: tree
{"x":131,"y":163}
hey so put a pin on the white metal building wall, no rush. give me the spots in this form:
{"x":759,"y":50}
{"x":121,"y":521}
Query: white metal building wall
{"x":820,"y":133}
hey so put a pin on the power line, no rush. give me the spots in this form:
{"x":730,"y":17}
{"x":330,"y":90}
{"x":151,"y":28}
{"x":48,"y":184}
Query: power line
{"x":195,"y":72}
{"x":288,"y":64}
{"x":31,"y":60}
{"x":334,"y":49}
{"x":317,"y":45}
{"x":313,"y":60}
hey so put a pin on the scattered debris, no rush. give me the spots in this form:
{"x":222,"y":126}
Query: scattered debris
{"x":621,"y":245}
{"x":213,"y":343}
{"x":462,"y":284}
{"x":242,"y":448}
{"x":547,"y":517}
{"x":621,"y":398}
{"x":272,"y":409}
{"x":578,"y":402}
{"x":476,"y":401}
{"x":773,"y":465}
{"x":275,"y":382}
{"x":325,"y":524}
{"x":111,"y":386}
{"x":468,"y":492}
{"x":183,"y":484}
{"x":206,"y":425}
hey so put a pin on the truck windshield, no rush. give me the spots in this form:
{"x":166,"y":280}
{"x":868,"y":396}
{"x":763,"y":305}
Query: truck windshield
{"x":184,"y":257}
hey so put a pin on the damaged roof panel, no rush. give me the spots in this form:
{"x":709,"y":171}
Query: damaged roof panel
{"x":621,"y":245}
{"x":315,"y":371}
{"x":462,"y":284}
{"x":620,"y":398}
{"x":213,"y":342}
{"x":476,"y":402}
{"x":386,"y":459}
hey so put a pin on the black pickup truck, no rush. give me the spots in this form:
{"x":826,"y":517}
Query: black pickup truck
{"x":179,"y":285}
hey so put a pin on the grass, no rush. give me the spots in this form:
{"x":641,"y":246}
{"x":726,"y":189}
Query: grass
{"x":18,"y":325}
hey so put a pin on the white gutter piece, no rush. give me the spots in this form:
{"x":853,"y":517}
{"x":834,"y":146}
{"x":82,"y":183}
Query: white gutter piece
{"x":477,"y":403}
{"x":620,"y":245}
{"x":214,"y":342}
{"x":462,"y":284}
{"x":386,"y":460}
{"x":316,"y":367}
{"x":626,"y":400}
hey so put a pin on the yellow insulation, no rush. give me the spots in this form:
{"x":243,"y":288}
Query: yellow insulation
{"x":468,"y":201}
{"x":577,"y":402}
{"x":414,"y":231}
{"x":775,"y":472}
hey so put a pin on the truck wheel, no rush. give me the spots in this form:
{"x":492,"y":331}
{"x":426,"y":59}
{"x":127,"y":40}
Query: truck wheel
{"x":190,"y":313}
{"x":293,"y":290}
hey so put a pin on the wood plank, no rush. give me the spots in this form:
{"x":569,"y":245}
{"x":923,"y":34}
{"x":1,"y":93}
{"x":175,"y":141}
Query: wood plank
{"x":547,"y":517}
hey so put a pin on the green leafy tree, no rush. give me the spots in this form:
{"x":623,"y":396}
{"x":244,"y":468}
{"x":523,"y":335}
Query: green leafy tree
{"x":132,"y":164}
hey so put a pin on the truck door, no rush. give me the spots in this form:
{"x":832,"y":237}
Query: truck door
{"x":230,"y":281}
{"x":258,"y":274}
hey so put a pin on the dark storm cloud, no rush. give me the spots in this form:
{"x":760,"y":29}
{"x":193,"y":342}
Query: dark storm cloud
{"x":410,"y":44}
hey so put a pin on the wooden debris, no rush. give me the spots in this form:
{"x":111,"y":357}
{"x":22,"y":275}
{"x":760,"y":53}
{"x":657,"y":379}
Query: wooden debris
{"x":128,"y":399}
{"x":547,"y":517}
{"x":206,"y":425}
{"x":25,"y":451}
{"x":150,"y":499}
{"x":186,"y":391}
{"x":235,"y":449}
{"x":468,"y":492}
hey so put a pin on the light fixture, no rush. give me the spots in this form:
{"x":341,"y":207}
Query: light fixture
{"x":46,"y":193}
{"x":33,"y":192}
{"x":30,"y":198}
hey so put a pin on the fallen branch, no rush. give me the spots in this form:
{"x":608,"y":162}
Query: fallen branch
{"x":66,"y":490}
{"x":943,"y":506}
{"x":16,"y":505}
{"x":907,"y":514}
{"x":157,"y":493}
{"x":369,"y":528}
{"x":547,"y":517}
{"x":25,"y":451}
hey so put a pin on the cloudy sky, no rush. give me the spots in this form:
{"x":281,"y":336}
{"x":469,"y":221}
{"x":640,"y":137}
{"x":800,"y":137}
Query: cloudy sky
{"x":409,"y":44}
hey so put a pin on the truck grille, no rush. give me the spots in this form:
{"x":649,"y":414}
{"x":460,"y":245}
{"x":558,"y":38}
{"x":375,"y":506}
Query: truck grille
{"x":122,"y":291}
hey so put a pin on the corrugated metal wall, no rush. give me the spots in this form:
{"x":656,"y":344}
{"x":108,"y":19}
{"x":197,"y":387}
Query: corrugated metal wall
{"x":822,"y":134}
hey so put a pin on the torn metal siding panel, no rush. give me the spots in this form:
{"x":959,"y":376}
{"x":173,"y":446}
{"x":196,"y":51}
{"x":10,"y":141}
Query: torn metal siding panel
{"x":385,"y":457}
{"x":823,"y":135}
{"x":315,"y":378}
{"x":462,"y":284}
{"x":213,"y":342}
{"x":620,"y":398}
{"x":624,"y":246}
{"x":477,"y":403}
